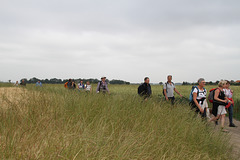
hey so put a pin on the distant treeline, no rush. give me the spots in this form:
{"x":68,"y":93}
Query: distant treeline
{"x":232,"y":82}
{"x":62,"y":81}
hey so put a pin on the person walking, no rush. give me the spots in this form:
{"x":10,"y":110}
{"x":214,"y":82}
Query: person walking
{"x":16,"y":84}
{"x":102,"y":86}
{"x":70,"y":84}
{"x":169,"y":89}
{"x":219,"y":103}
{"x":88,"y":87}
{"x":81,"y":86}
{"x":229,"y":94}
{"x":199,"y":94}
{"x":23,"y":83}
{"x":39,"y":84}
{"x":73,"y":85}
{"x":144,"y":90}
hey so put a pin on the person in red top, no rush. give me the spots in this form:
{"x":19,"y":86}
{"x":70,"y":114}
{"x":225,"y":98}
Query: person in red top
{"x":219,"y":103}
{"x":229,"y":94}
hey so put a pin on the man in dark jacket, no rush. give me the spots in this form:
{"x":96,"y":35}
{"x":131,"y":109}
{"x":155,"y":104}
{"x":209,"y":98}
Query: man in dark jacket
{"x":23,"y":83}
{"x":144,"y":89}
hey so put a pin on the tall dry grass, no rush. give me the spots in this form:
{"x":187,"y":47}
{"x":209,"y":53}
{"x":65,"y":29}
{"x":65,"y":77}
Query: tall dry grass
{"x":55,"y":123}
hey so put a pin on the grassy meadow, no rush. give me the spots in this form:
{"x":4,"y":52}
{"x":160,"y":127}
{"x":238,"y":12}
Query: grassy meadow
{"x":55,"y":123}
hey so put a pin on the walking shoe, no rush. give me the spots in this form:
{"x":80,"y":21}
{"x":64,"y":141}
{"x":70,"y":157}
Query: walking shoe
{"x":232,"y":125}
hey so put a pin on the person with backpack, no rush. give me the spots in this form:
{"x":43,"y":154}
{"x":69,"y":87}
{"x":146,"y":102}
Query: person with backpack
{"x":71,"y":84}
{"x":229,"y":94}
{"x":102,"y":86}
{"x":198,"y":98}
{"x":219,"y":103}
{"x":66,"y":83}
{"x":144,"y":90}
{"x":81,"y":86}
{"x":88,"y":87}
{"x":23,"y":83}
{"x":168,"y":90}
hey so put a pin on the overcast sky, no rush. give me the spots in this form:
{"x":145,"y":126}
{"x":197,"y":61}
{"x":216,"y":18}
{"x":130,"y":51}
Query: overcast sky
{"x":125,"y":39}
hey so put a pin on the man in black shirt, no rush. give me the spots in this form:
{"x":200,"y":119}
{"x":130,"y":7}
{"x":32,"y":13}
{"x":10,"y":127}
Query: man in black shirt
{"x":144,"y":89}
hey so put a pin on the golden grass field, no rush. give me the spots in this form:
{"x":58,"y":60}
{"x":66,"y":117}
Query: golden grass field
{"x":55,"y":123}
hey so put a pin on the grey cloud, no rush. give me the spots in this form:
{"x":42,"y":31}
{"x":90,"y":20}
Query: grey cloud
{"x":128,"y":39}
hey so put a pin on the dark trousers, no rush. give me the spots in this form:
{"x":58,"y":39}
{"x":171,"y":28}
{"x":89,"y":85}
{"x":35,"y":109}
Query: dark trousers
{"x":172,"y":99}
{"x":230,"y":112}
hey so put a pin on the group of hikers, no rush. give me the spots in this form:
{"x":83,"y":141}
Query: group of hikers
{"x":220,"y":97}
{"x":23,"y":83}
{"x":101,"y":87}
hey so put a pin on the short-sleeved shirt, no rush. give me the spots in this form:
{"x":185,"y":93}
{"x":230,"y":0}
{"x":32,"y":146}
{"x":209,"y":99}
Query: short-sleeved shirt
{"x":80,"y":86}
{"x":102,"y":86}
{"x":88,"y":87}
{"x":169,"y":89}
{"x":39,"y":84}
{"x":202,"y":93}
{"x":228,"y":93}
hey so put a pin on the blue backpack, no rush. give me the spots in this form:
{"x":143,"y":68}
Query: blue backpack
{"x":191,"y":94}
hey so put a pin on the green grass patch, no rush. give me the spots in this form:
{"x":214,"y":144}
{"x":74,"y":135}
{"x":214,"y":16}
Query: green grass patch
{"x":3,"y":84}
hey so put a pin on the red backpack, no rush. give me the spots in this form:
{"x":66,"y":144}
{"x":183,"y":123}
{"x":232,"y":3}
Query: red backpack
{"x":66,"y":85}
{"x":211,"y":95}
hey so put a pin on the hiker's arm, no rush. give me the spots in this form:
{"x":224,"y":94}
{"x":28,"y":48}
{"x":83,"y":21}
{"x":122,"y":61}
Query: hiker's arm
{"x":228,"y":100}
{"x":107,"y":89}
{"x":165,"y":93}
{"x":196,"y":102}
{"x":98,"y":87}
{"x":218,"y":99}
{"x":177,"y":92}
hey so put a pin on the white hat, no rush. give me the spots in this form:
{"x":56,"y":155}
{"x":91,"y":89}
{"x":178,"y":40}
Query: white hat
{"x":103,"y":77}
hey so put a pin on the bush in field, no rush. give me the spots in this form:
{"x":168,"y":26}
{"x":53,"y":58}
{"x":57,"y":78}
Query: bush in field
{"x":55,"y":123}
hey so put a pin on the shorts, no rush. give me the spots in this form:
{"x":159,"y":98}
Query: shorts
{"x":221,"y":110}
{"x":172,"y":99}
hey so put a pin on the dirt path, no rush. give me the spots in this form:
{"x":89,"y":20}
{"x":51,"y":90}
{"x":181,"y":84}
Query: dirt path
{"x":235,"y":136}
{"x":234,"y":133}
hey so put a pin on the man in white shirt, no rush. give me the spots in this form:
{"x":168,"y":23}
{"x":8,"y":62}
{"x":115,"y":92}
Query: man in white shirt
{"x":169,"y":88}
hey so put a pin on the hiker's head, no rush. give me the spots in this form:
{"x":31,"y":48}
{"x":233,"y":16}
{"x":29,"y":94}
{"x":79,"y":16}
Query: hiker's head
{"x":222,"y":84}
{"x":169,"y":78}
{"x":228,"y":84}
{"x":70,"y":80}
{"x":146,"y":80}
{"x":88,"y":83}
{"x":201,"y":82}
{"x":38,"y":81}
{"x":81,"y":82}
{"x":103,"y":79}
